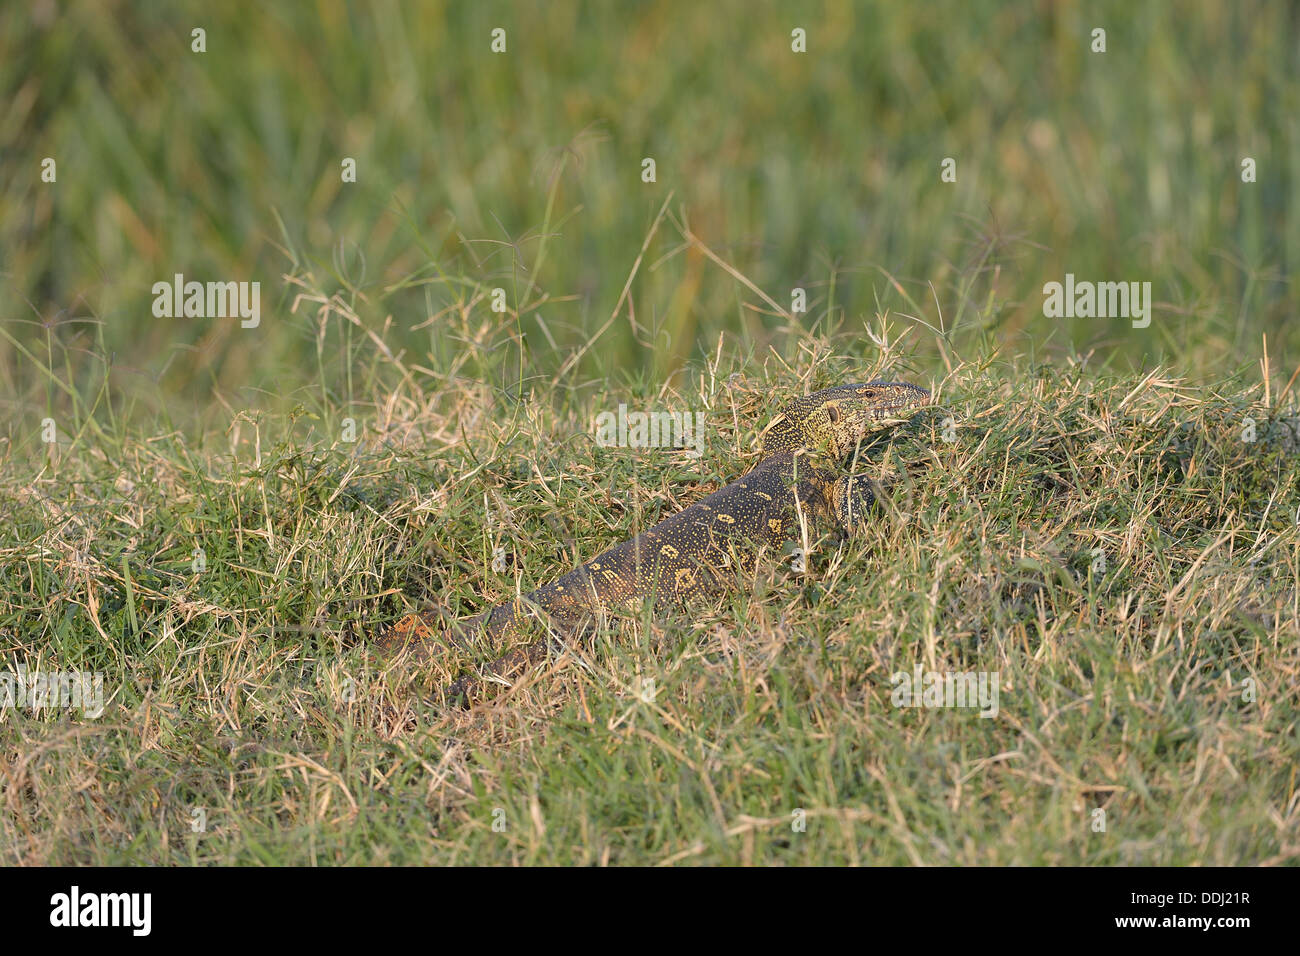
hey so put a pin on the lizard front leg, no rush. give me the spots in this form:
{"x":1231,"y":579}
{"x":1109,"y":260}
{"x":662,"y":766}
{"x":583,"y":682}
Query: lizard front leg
{"x":854,"y":497}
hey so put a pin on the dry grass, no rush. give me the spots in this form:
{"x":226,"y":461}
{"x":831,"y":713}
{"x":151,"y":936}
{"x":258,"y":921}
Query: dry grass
{"x":243,"y":691}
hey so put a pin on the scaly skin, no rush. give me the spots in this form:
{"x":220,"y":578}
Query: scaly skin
{"x":795,"y":484}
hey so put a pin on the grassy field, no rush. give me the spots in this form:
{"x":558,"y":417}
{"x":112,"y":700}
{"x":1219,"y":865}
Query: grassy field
{"x":243,"y":692}
{"x":215,"y":518}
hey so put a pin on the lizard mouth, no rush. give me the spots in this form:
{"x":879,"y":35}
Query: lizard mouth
{"x":906,"y":399}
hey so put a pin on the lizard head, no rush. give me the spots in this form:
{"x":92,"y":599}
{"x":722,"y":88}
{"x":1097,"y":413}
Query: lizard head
{"x":836,"y":419}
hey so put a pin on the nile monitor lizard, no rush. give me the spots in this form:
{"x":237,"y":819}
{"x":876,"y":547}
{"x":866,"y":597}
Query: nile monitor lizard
{"x":796,"y":483}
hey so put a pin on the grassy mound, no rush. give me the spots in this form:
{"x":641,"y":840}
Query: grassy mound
{"x":1112,"y":547}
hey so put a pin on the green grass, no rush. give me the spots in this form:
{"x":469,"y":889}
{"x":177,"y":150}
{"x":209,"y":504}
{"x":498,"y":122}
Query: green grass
{"x":522,"y":171}
{"x":1082,"y":512}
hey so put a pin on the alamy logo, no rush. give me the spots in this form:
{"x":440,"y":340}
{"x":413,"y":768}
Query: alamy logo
{"x":946,"y":689}
{"x":1098,"y":300}
{"x":62,"y":689}
{"x":213,"y":300}
{"x":103,"y":909}
{"x":651,"y":430}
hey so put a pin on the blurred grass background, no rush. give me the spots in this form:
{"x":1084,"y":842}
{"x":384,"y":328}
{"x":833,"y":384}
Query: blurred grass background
{"x":522,"y":170}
